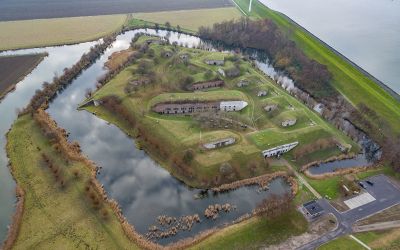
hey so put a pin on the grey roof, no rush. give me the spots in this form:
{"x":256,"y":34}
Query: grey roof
{"x":313,"y":207}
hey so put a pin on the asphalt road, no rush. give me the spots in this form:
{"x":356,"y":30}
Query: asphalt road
{"x":384,"y":191}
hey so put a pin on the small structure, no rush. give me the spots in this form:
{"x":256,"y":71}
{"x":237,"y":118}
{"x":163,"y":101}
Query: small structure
{"x":279,"y":150}
{"x":312,"y":209}
{"x":96,"y":103}
{"x":242,"y":83}
{"x":343,"y":148}
{"x":206,"y":85}
{"x":262,"y":93}
{"x":232,"y":105}
{"x":271,"y":107}
{"x":215,"y":60}
{"x":139,"y":82}
{"x":319,"y":108}
{"x":184,"y":56}
{"x":167,"y":53}
{"x":221,"y":72}
{"x":185,"y":107}
{"x":220,"y":143}
{"x":289,"y":122}
{"x":154,"y":41}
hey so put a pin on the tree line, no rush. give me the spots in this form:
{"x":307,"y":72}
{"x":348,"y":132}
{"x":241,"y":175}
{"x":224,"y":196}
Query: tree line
{"x":50,"y":90}
{"x":309,"y":75}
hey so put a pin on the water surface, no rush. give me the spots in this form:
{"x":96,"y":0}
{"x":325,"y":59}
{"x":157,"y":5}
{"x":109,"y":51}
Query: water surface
{"x":365,"y":31}
{"x":59,"y":58}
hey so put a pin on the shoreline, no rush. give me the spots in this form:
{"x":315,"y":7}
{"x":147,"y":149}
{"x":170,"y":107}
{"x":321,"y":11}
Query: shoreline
{"x":13,"y":86}
{"x":70,"y":151}
{"x":384,"y":86}
{"x":330,"y":159}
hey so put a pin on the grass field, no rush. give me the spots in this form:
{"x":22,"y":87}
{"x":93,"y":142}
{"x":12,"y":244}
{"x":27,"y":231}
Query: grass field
{"x":55,"y":217}
{"x":342,"y":243}
{"x":348,"y":80}
{"x":182,"y":132}
{"x":384,"y":240}
{"x":14,"y":68}
{"x":58,"y":31}
{"x":191,"y":19}
{"x":330,"y":186}
{"x":256,"y":232}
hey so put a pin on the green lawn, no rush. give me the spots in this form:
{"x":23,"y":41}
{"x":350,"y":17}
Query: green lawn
{"x":342,"y":243}
{"x":178,"y":133}
{"x":256,"y":232}
{"x":330,"y":186}
{"x":55,"y":217}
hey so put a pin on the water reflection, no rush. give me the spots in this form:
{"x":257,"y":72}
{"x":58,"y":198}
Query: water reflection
{"x":142,"y":188}
{"x":358,"y":161}
{"x":58,"y":59}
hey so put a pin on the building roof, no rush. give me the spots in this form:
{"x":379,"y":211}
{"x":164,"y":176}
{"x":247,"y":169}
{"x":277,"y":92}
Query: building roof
{"x":313,"y":208}
{"x":239,"y":104}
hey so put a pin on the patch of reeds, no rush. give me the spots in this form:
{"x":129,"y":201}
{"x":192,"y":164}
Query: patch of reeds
{"x":16,"y":220}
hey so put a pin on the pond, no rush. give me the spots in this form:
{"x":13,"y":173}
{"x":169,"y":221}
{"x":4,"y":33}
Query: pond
{"x":329,"y":167}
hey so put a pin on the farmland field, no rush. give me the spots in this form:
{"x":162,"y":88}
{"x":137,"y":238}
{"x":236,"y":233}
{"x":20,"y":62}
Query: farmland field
{"x":42,"y":32}
{"x":191,"y":19}
{"x":15,"y":10}
{"x":14,"y":68}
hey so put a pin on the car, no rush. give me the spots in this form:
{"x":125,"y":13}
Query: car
{"x":370,"y":183}
{"x":361,"y":184}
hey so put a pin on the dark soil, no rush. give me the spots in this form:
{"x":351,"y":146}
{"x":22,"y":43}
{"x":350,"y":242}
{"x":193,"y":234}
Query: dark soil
{"x":14,"y":68}
{"x":34,"y":9}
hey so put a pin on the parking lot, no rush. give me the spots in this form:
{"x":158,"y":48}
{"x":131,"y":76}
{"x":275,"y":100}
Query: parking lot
{"x":382,"y":193}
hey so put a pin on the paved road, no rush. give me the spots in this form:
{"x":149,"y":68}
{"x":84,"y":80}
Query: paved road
{"x":386,"y":195}
{"x":377,"y":226}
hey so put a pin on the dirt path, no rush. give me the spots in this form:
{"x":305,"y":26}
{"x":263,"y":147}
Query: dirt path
{"x":304,"y":181}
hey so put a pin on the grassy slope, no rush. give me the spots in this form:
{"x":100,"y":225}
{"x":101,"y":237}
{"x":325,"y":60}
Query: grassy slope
{"x":190,"y":19}
{"x":330,"y":186}
{"x":48,"y":221}
{"x":342,"y":243}
{"x":180,"y":132}
{"x":385,"y":240}
{"x":356,"y":87}
{"x":256,"y":232}
{"x":47,"y":32}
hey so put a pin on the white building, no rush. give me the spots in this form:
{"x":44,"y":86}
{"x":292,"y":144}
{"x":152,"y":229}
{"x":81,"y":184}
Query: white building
{"x":279,"y":150}
{"x":220,"y":143}
{"x":262,"y":93}
{"x":289,"y":122}
{"x":232,"y":105}
{"x":221,"y":72}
